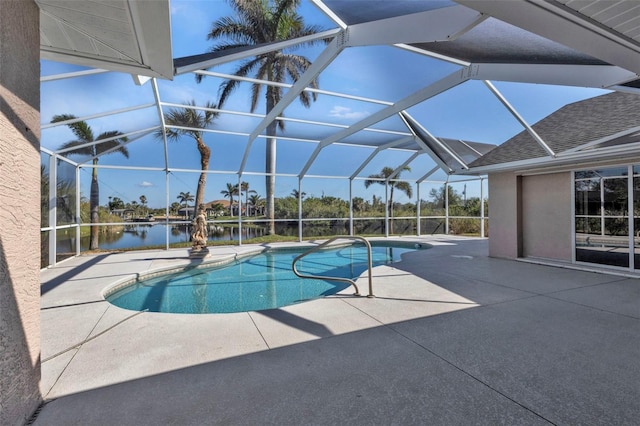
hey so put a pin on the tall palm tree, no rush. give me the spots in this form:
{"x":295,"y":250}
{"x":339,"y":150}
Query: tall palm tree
{"x":384,"y":175}
{"x":262,"y":22}
{"x":192,"y":120}
{"x":84,"y":135}
{"x":229,"y":193}
{"x":185,"y":197}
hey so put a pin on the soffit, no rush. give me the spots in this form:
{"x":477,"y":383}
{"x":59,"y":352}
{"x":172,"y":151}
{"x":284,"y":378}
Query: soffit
{"x":118,"y":35}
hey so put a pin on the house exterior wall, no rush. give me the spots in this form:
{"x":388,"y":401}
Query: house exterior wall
{"x":19,"y":211}
{"x":546,"y":216}
{"x":504,"y":223}
{"x":530,"y":215}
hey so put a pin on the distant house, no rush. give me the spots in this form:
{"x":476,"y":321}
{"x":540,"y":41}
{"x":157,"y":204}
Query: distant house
{"x":217,"y":208}
{"x":186,"y":212}
{"x":125,"y":214}
{"x":567,"y":190}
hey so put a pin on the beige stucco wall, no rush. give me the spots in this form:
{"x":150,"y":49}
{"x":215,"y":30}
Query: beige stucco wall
{"x":504,"y":234}
{"x":546,"y":216}
{"x":530,"y":215}
{"x":19,"y":211}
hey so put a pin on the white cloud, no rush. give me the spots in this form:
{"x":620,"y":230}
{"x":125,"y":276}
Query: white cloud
{"x":145,"y":184}
{"x":346,"y":113}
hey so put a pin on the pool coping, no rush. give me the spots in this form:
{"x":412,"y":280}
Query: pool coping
{"x":221,"y":260}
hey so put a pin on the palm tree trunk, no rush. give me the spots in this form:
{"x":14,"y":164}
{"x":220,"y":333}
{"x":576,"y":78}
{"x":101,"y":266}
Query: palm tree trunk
{"x":390,"y":209}
{"x":270,"y":166}
{"x":94,"y":202}
{"x":205,"y":155}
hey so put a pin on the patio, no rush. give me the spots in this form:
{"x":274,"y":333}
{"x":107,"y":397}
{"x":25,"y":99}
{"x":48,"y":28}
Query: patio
{"x":453,"y":337}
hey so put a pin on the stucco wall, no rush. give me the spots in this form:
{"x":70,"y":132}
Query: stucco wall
{"x":19,"y":211}
{"x":546,"y":216}
{"x":504,"y":235}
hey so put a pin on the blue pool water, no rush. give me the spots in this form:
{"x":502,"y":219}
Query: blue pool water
{"x":259,"y":282}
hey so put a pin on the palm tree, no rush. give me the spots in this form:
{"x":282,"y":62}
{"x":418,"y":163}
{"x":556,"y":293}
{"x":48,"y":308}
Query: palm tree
{"x":185,"y":197}
{"x":384,"y":175}
{"x":256,"y":202}
{"x":192,"y":120}
{"x":143,"y":201}
{"x":174,"y":207}
{"x":244,"y":188}
{"x":84,"y":136}
{"x":295,"y":194}
{"x":229,"y":193}
{"x":264,"y":22}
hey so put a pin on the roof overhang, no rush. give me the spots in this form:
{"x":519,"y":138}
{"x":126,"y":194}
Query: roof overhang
{"x":563,"y":162}
{"x":117,"y":35}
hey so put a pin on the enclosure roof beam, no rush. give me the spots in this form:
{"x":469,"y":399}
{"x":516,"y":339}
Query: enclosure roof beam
{"x":403,"y":165}
{"x":520,"y":119}
{"x":554,"y":21}
{"x":74,"y":74}
{"x":99,"y":141}
{"x":327,"y":11}
{"x":90,"y":117}
{"x":324,"y":59}
{"x":287,"y":86}
{"x":376,"y":152}
{"x":238,"y":54}
{"x":114,"y":148}
{"x":598,"y":76}
{"x":433,"y":25}
{"x":430,"y":54}
{"x":156,"y":95}
{"x":601,"y":140}
{"x":426,"y":175}
{"x":412,"y":122}
{"x":430,"y":91}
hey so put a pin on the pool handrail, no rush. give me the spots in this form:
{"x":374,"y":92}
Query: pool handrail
{"x":347,"y":280}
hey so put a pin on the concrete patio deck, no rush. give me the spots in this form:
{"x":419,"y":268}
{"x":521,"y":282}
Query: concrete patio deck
{"x":452,"y":338}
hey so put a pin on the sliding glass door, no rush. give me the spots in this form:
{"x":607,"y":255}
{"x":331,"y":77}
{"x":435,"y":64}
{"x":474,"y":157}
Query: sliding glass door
{"x":602,"y":225}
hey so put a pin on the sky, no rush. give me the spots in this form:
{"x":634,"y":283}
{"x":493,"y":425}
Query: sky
{"x":468,"y":112}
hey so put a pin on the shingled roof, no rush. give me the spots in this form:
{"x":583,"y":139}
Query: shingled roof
{"x":569,"y":127}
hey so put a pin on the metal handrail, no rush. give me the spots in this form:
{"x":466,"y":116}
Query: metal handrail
{"x":346,"y":280}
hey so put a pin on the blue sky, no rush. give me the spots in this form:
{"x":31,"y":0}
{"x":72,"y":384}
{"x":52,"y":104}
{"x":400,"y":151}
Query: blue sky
{"x":468,"y":112}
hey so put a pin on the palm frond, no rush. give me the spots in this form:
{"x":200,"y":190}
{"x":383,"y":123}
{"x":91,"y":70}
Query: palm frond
{"x":80,"y":129}
{"x":404,"y":187}
{"x":85,"y":150}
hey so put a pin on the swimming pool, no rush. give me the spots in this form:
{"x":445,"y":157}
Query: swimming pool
{"x":254,"y":283}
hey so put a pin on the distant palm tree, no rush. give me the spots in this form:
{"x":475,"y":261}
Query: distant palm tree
{"x":257,"y":23}
{"x":384,"y":175}
{"x":193,"y":120}
{"x":185,"y":197}
{"x":84,"y":135}
{"x":295,"y":194}
{"x":174,"y":207}
{"x":229,"y":193}
{"x":143,"y":201}
{"x":244,"y":188}
{"x":256,"y":202}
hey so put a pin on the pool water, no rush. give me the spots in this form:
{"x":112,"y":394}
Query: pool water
{"x":263,"y":281}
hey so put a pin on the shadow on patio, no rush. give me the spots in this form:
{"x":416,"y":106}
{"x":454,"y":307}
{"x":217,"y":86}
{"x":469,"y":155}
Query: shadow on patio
{"x":546,"y":346}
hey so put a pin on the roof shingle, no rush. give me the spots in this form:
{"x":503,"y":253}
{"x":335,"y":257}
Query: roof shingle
{"x":571,"y":126}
